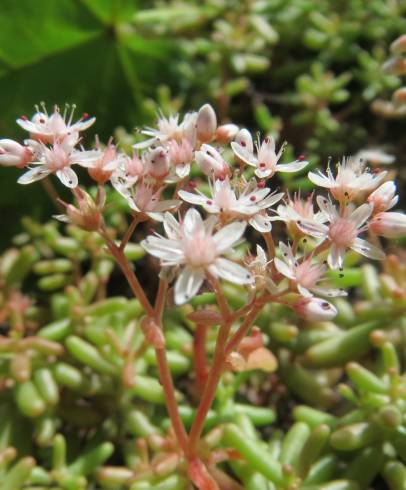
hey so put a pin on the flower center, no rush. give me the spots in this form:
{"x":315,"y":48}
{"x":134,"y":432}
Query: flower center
{"x":343,"y":232}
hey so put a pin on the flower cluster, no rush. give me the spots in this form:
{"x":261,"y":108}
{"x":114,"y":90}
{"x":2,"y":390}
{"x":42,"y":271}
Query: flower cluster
{"x":155,"y":181}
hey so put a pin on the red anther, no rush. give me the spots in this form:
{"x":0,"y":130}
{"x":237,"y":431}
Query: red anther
{"x":262,"y":165}
{"x":376,"y":170}
{"x":42,"y":120}
{"x":243,"y":143}
{"x":85,"y":116}
{"x":266,"y":140}
{"x":209,"y":202}
{"x":221,"y":178}
{"x":193,"y":184}
{"x":161,"y":154}
{"x":301,"y":157}
{"x":253,"y":198}
{"x":151,"y":231}
{"x":24,"y":118}
{"x":261,"y":184}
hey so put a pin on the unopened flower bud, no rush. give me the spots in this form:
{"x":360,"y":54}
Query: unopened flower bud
{"x":12,"y":154}
{"x":399,"y":45}
{"x":315,"y":309}
{"x":399,"y":96}
{"x":206,"y":123}
{"x":389,"y":225}
{"x":226,"y":132}
{"x":158,"y":163}
{"x":153,"y":334}
{"x":88,"y":215}
{"x":211,"y":162}
{"x":395,"y":66}
{"x":384,"y":197}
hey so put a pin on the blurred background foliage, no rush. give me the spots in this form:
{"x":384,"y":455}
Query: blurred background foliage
{"x":308,"y":71}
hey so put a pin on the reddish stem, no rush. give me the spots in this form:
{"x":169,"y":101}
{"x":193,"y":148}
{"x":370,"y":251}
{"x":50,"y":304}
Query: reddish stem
{"x":200,"y":358}
{"x":210,"y":388}
{"x":156,"y":314}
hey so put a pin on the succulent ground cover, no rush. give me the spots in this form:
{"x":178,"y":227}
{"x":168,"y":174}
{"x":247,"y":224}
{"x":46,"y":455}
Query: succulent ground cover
{"x":190,"y":324}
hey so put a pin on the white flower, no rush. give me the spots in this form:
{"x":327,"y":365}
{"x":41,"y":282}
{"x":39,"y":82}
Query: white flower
{"x":389,"y":225}
{"x":169,"y":128}
{"x":47,"y":128}
{"x":145,"y":199}
{"x":384,"y":197}
{"x":352,"y":179}
{"x":266,"y":159}
{"x":305,"y":273}
{"x":297,"y":209}
{"x":211,"y":162}
{"x":102,"y":167}
{"x":258,"y":266}
{"x":12,"y":154}
{"x":374,"y":156}
{"x":58,"y":160}
{"x":192,"y":245}
{"x":251,"y":204}
{"x":342,"y":232}
{"x":181,"y":156}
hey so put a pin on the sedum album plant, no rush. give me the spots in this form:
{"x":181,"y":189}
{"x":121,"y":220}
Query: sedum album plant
{"x":204,"y":200}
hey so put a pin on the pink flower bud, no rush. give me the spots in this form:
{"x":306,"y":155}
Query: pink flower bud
{"x":211,"y":162}
{"x":384,"y":197}
{"x":153,"y":334}
{"x":158,"y":163}
{"x":389,"y":225}
{"x":399,"y":45}
{"x":226,"y":132}
{"x":206,"y":123}
{"x":12,"y":154}
{"x":315,"y":309}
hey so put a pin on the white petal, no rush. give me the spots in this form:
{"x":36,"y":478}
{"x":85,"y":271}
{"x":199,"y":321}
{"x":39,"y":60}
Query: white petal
{"x":327,"y":207}
{"x":284,"y":269}
{"x":192,"y":221}
{"x":329,"y":292}
{"x":166,"y":250}
{"x":270,"y":200}
{"x":243,"y":154}
{"x":367,"y":249}
{"x":162,"y":206}
{"x":304,"y":291}
{"x":264,"y":173}
{"x":188,"y":284}
{"x":361,"y":214}
{"x":261,"y":223}
{"x":312,"y":228}
{"x":68,"y":177}
{"x":183,"y":170}
{"x":82,"y":125}
{"x":230,"y":271}
{"x":172,"y":227}
{"x":27,"y":125}
{"x":287,"y":254}
{"x":320,"y":179}
{"x":193,"y":198}
{"x":292,"y":167}
{"x":336,"y":257}
{"x":244,"y":136}
{"x":145,"y":144}
{"x":228,"y":235}
{"x":34,"y":174}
